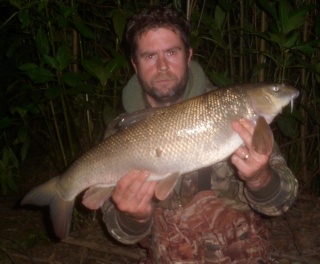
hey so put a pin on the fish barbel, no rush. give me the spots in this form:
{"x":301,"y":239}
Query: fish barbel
{"x":167,"y":142}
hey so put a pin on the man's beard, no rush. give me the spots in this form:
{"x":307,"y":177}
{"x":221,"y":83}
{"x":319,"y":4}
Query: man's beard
{"x":166,"y":95}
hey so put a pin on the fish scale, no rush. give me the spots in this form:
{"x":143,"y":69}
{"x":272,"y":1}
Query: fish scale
{"x":167,"y":142}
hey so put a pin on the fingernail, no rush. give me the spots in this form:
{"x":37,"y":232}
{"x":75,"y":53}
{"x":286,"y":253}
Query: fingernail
{"x":242,"y":120}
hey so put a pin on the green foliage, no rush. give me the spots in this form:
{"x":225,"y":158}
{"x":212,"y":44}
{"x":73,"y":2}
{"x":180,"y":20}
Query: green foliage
{"x":71,"y":68}
{"x":64,"y":65}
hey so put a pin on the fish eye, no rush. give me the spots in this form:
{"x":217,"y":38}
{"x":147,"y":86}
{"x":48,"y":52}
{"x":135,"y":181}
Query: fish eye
{"x":275,"y":88}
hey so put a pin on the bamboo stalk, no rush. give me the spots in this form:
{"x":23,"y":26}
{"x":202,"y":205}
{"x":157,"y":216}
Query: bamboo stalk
{"x":303,"y":126}
{"x":241,"y":59}
{"x":262,"y":47}
{"x":231,"y":58}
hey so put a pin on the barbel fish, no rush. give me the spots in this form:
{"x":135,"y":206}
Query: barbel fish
{"x":167,"y":142}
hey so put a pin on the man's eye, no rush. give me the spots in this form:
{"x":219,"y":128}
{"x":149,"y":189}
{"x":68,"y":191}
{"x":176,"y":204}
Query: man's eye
{"x":148,"y":57}
{"x":172,"y":52}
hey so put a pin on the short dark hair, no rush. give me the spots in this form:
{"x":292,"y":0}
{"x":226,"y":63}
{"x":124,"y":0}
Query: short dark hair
{"x":153,"y":18}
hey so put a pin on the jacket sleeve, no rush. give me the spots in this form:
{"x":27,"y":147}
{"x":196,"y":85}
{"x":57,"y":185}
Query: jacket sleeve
{"x":123,"y":228}
{"x":280,"y":193}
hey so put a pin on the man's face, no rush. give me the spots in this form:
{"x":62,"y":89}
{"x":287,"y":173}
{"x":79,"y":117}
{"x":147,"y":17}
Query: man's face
{"x":162,"y":66}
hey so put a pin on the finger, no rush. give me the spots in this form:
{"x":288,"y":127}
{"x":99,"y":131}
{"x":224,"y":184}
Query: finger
{"x":245,"y":130}
{"x":239,"y":163}
{"x":127,"y":187}
{"x":139,"y":204}
{"x":132,"y":181}
{"x":137,"y":182}
{"x":146,"y":195}
{"x":247,"y":124}
{"x":242,"y":152}
{"x":146,"y":192}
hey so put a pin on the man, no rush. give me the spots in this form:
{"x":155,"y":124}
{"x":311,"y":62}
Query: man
{"x":207,"y":219}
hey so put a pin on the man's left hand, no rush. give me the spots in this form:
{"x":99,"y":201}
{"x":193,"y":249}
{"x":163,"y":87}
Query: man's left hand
{"x":253,"y":167}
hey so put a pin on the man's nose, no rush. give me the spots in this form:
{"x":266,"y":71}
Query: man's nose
{"x":162,"y":63}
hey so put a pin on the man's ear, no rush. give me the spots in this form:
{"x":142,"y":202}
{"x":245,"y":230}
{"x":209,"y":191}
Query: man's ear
{"x":190,"y":55}
{"x":134,"y":65}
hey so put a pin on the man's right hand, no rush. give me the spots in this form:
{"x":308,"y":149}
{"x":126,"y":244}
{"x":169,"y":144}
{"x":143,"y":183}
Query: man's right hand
{"x":133,"y":195}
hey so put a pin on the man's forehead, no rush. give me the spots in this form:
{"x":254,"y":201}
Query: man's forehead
{"x":148,"y":29}
{"x":159,"y":37}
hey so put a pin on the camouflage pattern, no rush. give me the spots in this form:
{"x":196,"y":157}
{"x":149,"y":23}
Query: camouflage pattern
{"x":207,"y":231}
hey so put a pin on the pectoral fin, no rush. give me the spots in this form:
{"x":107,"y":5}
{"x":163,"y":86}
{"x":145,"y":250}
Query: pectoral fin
{"x":165,"y":186}
{"x":262,"y":139}
{"x":95,"y":196}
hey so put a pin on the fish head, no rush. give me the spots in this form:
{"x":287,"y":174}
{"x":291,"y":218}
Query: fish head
{"x":267,"y":100}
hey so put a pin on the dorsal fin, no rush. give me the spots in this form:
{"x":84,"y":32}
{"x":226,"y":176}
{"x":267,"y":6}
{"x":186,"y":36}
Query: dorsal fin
{"x":126,"y":120}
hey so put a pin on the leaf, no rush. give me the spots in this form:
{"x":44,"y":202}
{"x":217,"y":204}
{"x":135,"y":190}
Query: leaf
{"x":5,"y":122}
{"x":32,"y":108}
{"x":42,"y":42}
{"x":286,"y":126}
{"x":294,"y":22}
{"x":219,"y":17}
{"x":62,"y":22}
{"x":219,"y":79}
{"x":20,"y":110}
{"x":53,"y":92}
{"x":305,"y":49}
{"x":84,"y":30}
{"x":291,"y":40}
{"x":22,"y":134}
{"x":115,"y":64}
{"x":72,"y":79}
{"x":63,"y":58}
{"x":24,"y":18}
{"x":25,"y":148}
{"x":119,"y":23}
{"x":283,"y":12}
{"x":42,"y":5}
{"x":13,"y":48}
{"x":12,"y":184}
{"x":257,"y":68}
{"x":66,"y":11}
{"x":97,"y":70}
{"x":269,"y":9}
{"x":276,"y":38}
{"x":52,"y":62}
{"x":8,"y":157}
{"x":37,"y":74}
{"x":16,"y":3}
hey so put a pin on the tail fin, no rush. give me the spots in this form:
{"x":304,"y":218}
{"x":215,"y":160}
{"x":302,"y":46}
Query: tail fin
{"x":60,"y":209}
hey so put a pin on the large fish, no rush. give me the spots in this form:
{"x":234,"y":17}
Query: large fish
{"x":167,"y":142}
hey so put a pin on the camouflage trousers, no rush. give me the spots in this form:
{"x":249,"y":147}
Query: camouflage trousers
{"x":207,"y":231}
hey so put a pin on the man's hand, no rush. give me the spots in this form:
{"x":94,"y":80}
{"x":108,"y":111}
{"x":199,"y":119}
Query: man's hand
{"x":133,"y":195}
{"x":252,"y":167}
